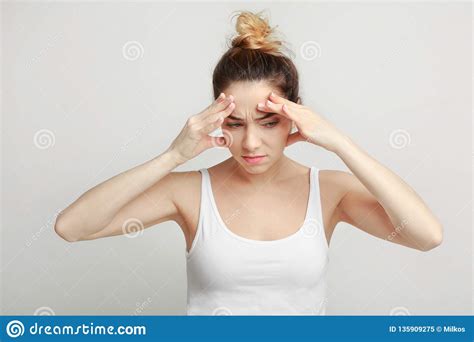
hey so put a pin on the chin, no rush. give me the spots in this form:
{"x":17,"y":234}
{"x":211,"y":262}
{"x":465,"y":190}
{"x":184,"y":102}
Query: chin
{"x":256,"y":168}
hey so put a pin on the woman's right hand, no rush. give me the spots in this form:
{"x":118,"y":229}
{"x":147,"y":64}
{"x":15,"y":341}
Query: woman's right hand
{"x":193,"y":138}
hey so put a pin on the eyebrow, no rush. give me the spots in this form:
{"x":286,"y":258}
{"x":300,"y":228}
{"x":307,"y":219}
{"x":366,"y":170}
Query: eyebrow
{"x":267,"y":115}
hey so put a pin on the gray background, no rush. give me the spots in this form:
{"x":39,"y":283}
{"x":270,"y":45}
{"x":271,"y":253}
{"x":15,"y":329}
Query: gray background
{"x":378,"y":68}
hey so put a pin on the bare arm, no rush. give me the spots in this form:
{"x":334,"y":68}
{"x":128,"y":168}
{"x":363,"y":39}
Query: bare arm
{"x":376,"y":200}
{"x":379,"y":202}
{"x":144,"y":194}
{"x":96,"y":208}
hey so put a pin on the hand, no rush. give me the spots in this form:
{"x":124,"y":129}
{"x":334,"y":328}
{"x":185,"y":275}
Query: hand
{"x":193,"y":138}
{"x":311,"y":126}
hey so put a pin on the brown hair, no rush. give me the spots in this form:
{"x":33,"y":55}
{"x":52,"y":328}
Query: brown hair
{"x":254,"y":55}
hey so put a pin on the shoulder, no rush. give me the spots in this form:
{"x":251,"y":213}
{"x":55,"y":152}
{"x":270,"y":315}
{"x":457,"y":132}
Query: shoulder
{"x":334,"y":184}
{"x":335,"y":178}
{"x":186,"y":191}
{"x":184,"y":182}
{"x":338,"y":181}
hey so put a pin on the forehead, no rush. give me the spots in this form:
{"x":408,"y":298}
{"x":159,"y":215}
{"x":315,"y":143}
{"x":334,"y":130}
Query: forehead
{"x":250,"y":93}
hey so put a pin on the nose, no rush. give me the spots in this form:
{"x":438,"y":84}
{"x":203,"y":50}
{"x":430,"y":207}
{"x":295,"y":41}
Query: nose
{"x":251,"y":141}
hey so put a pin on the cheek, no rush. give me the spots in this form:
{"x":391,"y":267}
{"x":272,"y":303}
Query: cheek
{"x":280,"y":132}
{"x":284,"y":129}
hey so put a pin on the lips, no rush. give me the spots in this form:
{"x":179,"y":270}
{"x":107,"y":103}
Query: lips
{"x":253,"y":159}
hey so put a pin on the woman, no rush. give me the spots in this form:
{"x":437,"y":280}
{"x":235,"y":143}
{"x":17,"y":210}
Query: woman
{"x":257,"y":225}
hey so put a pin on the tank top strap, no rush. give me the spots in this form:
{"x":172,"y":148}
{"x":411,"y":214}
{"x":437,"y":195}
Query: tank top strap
{"x":205,"y":191}
{"x":314,"y":203}
{"x":314,"y":211}
{"x":204,"y":209}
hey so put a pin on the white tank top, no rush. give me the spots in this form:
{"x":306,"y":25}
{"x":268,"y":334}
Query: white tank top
{"x":228,"y":274}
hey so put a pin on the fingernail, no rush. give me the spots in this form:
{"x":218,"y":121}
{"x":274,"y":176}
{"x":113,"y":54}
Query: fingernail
{"x":272,"y":94}
{"x":260,"y":105}
{"x":231,"y":98}
{"x":268,"y":102}
{"x":221,"y":95}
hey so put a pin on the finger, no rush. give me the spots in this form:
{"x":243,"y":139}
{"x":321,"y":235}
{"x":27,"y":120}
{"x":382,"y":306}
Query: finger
{"x":294,"y":137}
{"x":220,"y":97}
{"x":212,"y":126}
{"x":222,"y":103}
{"x":215,"y":141}
{"x":219,"y":104}
{"x":227,"y":111}
{"x":270,"y":107}
{"x":211,"y":118}
{"x":280,"y":100}
{"x":288,"y":113}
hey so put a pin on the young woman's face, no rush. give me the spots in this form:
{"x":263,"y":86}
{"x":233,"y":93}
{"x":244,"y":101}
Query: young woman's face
{"x":253,"y":132}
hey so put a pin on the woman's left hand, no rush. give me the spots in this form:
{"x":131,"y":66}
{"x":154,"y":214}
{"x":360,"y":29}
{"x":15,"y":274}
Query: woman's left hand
{"x":311,"y":126}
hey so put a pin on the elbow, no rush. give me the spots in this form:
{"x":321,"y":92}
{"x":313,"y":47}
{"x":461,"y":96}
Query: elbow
{"x":64,"y":231}
{"x":435,"y":241}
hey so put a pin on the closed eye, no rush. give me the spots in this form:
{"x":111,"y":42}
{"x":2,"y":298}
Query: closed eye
{"x":268,"y":124}
{"x":233,"y":125}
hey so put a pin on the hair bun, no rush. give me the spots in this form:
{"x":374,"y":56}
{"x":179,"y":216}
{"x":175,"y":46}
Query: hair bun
{"x":255,"y":33}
